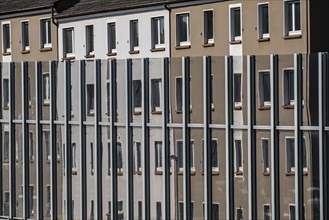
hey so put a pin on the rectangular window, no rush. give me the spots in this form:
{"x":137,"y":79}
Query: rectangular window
{"x":235,"y":14}
{"x":292,"y":17}
{"x":266,"y":158}
{"x":48,"y":201}
{"x":46,"y":88}
{"x":29,"y":90}
{"x":31,"y":152}
{"x":6,"y":147}
{"x":181,"y":210}
{"x":264,"y":88}
{"x":134,"y":38}
{"x":158,"y":156}
{"x":137,"y":96}
{"x":179,"y":94}
{"x":263,"y":21}
{"x":92,"y":210}
{"x":215,"y":211}
{"x":237,"y":90}
{"x":68,"y":42}
{"x":156,"y":87}
{"x":239,"y":214}
{"x":5,"y":93}
{"x":214,"y":156}
{"x":74,"y":158}
{"x":140,"y":211}
{"x":108,"y":98}
{"x":6,"y":41}
{"x":108,"y":214}
{"x":289,"y":95}
{"x":31,"y":194}
{"x":120,"y":210}
{"x":267,"y":212}
{"x":47,"y":144}
{"x":45,"y":32}
{"x":89,"y":40}
{"x":108,"y":158}
{"x":182,"y":29}
{"x":290,"y":155}
{"x":238,"y":158}
{"x":180,"y":156}
{"x":137,"y":158}
{"x":158,"y":211}
{"x":92,"y":158}
{"x":158,"y":38}
{"x":90,"y":99}
{"x":119,"y":157}
{"x":292,"y":212}
{"x":208,"y":17}
{"x":6,"y":197}
{"x":25,"y":36}
{"x":111,"y":38}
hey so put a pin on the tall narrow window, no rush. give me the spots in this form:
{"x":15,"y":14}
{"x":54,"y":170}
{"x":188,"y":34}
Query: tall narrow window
{"x":156,"y":95}
{"x":120,"y":211}
{"x":290,"y":154}
{"x":235,"y":14}
{"x":108,"y":158}
{"x":29,"y":97}
{"x":181,"y":210}
{"x":182,"y":29}
{"x":6,"y":41}
{"x":158,"y":156}
{"x":289,"y":95}
{"x":208,"y":17}
{"x":215,"y":211}
{"x":92,"y":158}
{"x":31,"y":152}
{"x":238,"y":158}
{"x":158,"y":37}
{"x":237,"y":90}
{"x":137,"y":96}
{"x":25,"y":36}
{"x":89,"y":40}
{"x":111,"y":38}
{"x":181,"y":157}
{"x":134,"y":38}
{"x":5,"y":93}
{"x":31,"y":194}
{"x":266,"y":160}
{"x":92,"y":215}
{"x":68,"y":42}
{"x":119,"y":158}
{"x":264,"y":89}
{"x":263,"y":21}
{"x":158,"y":211}
{"x":108,"y":214}
{"x":140,"y":211}
{"x":137,"y":158}
{"x":179,"y":94}
{"x":6,"y":147}
{"x":292,"y":17}
{"x":214,"y":156}
{"x":90,"y":99}
{"x":108,"y":98}
{"x":239,"y":214}
{"x":267,"y":213}
{"x":6,"y":197}
{"x":292,"y":212}
{"x":45,"y":32}
{"x":46,"y":88}
{"x":48,"y":201}
{"x":47,"y":144}
{"x":74,"y":158}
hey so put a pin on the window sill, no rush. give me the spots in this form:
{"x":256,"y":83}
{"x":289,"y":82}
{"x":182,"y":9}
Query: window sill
{"x":266,"y":173}
{"x":90,"y":114}
{"x":134,"y":52}
{"x":138,"y":172}
{"x":158,"y":172}
{"x":179,"y":111}
{"x":5,"y":108}
{"x":74,"y":171}
{"x":288,"y":106}
{"x":120,"y":173}
{"x":208,"y":44}
{"x":239,"y":173}
{"x":111,"y":54}
{"x":265,"y":107}
{"x":265,"y":39}
{"x":31,"y":160}
{"x":181,"y":47}
{"x":237,"y":107}
{"x":292,"y":36}
{"x":158,"y":49}
{"x":235,"y":42}
{"x":46,"y":103}
{"x":48,"y":161}
{"x":92,"y":172}
{"x":291,"y":173}
{"x":25,"y":51}
{"x":68,"y":58}
{"x":157,"y":112}
{"x":137,"y":112}
{"x":6,"y":53}
{"x":45,"y":49}
{"x":89,"y":56}
{"x":6,"y":161}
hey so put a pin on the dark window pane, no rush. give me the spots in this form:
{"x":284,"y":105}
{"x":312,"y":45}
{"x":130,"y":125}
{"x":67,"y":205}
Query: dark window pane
{"x":237,"y":87}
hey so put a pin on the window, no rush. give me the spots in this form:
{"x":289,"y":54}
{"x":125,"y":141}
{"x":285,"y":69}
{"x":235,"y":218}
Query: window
{"x":263,"y":21}
{"x":5,"y":93}
{"x":140,"y":211}
{"x":6,"y":197}
{"x":90,"y":99}
{"x":238,"y":158}
{"x":31,"y":206}
{"x":156,"y":87}
{"x":264,"y":88}
{"x":215,"y":211}
{"x":292,"y":211}
{"x":137,"y":158}
{"x":68,"y":42}
{"x":111,"y":38}
{"x":179,"y":94}
{"x":290,"y":155}
{"x":180,"y":150}
{"x":6,"y":41}
{"x":120,"y":210}
{"x":158,"y":38}
{"x":267,"y":213}
{"x":92,"y":158}
{"x":108,"y":214}
{"x":74,"y":158}
{"x":47,"y":143}
{"x":92,"y":210}
{"x":31,"y":153}
{"x":108,"y":158}
{"x":45,"y":31}
{"x":289,"y":95}
{"x":46,"y":88}
{"x":25,"y":36}
{"x":235,"y":15}
{"x":134,"y":39}
{"x":29,"y":90}
{"x":108,"y":98}
{"x":182,"y":29}
{"x":237,"y":90}
{"x":214,"y":155}
{"x":266,"y":160}
{"x":6,"y":147}
{"x":208,"y":17}
{"x":158,"y":156}
{"x":89,"y":40}
{"x":119,"y":158}
{"x":159,"y":211}
{"x":292,"y":17}
{"x":239,"y":213}
{"x":137,"y":96}
{"x":48,"y":201}
{"x":181,"y":210}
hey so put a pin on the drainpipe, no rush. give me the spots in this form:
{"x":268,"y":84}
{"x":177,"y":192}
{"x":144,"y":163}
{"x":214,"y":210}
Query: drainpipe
{"x":167,"y":7}
{"x":56,"y":24}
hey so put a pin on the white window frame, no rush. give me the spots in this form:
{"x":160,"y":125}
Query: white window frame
{"x":5,"y":105}
{"x":46,"y":99}
{"x":158,"y":30}
{"x":293,"y":16}
{"x":261,"y":34}
{"x":4,"y":49}
{"x":65,"y":54}
{"x":192,"y":150}
{"x":25,"y":42}
{"x":111,"y":50}
{"x":120,"y":170}
{"x":233,"y":36}
{"x":269,"y":206}
{"x":48,"y":203}
{"x":49,"y":141}
{"x":158,"y":157}
{"x":238,"y":173}
{"x":177,"y":109}
{"x":90,"y":111}
{"x":188,"y":30}
{"x":236,"y":212}
{"x":287,"y":101}
{"x":74,"y":158}
{"x":237,"y":104}
{"x":293,"y":205}
{"x":262,"y":102}
{"x":6,"y":161}
{"x":90,"y":52}
{"x":266,"y":169}
{"x":132,"y":34}
{"x":156,"y":109}
{"x":6,"y":203}
{"x":156,"y":210}
{"x":292,"y":169}
{"x":31,"y":150}
{"x":34,"y":197}
{"x":207,"y":39}
{"x":138,"y":110}
{"x":47,"y":43}
{"x":213,"y":204}
{"x":137,"y":169}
